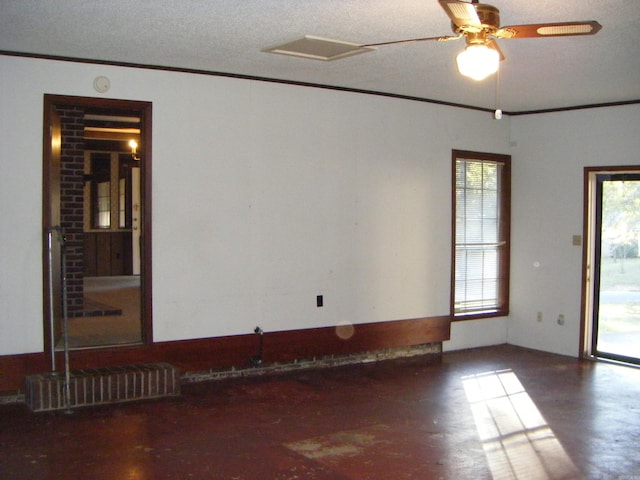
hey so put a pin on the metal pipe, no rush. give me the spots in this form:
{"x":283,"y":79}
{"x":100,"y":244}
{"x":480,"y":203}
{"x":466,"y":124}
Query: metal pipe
{"x":51,"y":300}
{"x":257,"y":359}
{"x":65,"y":329}
{"x":65,"y":316}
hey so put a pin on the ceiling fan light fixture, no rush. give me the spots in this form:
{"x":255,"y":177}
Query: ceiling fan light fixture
{"x":478,"y":61}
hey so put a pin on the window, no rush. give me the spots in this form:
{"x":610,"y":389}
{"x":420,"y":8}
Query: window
{"x":481,"y":202}
{"x":103,"y":172}
{"x":98,"y":172}
{"x":103,"y":205}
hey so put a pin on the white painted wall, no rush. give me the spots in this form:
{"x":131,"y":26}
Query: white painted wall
{"x":548,"y":164}
{"x":264,"y":196}
{"x":477,"y":333}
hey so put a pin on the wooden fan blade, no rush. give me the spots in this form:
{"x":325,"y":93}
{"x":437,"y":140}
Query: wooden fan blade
{"x":561,"y":29}
{"x":491,"y":43}
{"x":411,"y":40}
{"x":462,"y":14}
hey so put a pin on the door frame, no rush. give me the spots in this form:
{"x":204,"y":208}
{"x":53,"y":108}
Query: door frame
{"x":590,"y":251}
{"x":145,"y":109}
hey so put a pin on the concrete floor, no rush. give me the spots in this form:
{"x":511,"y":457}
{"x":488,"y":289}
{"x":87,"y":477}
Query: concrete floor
{"x":492,"y":413}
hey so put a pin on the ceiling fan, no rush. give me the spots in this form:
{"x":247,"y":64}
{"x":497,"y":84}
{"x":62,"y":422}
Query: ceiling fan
{"x":479,"y":24}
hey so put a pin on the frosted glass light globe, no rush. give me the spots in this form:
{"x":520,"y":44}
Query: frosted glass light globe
{"x":478,"y":61}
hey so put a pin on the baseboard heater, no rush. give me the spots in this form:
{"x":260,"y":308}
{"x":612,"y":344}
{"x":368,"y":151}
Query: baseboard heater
{"x":100,"y":386}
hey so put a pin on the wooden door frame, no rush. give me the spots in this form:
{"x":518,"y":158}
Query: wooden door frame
{"x":145,"y":109}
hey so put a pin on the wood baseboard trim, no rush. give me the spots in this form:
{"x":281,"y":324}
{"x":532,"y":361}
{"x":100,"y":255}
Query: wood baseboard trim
{"x":225,"y":352}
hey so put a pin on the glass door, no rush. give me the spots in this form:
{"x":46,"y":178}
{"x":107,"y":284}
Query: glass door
{"x":616,"y":295}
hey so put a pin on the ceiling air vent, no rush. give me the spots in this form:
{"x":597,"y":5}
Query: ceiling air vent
{"x":319,"y":48}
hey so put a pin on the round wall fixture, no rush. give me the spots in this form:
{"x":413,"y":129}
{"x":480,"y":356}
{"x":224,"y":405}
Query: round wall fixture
{"x":101,"y":84}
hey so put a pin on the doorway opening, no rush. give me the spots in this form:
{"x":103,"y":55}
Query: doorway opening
{"x":612,"y":267}
{"x":97,"y":222}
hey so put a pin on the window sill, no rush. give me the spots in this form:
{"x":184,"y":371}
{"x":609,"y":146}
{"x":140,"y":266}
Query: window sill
{"x":478,"y":316}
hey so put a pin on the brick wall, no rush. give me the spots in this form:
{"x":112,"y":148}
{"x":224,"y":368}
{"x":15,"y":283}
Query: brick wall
{"x":72,"y":202}
{"x":100,"y":386}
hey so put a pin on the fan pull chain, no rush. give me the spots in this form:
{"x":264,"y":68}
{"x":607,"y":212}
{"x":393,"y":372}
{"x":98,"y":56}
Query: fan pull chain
{"x":497,"y":114}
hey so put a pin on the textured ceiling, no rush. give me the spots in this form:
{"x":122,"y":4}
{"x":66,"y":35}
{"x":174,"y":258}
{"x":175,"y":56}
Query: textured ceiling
{"x":228,"y":36}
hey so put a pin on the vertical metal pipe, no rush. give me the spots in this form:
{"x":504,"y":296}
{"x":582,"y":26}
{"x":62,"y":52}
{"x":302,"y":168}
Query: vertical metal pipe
{"x":51,"y":300}
{"x":65,"y":330}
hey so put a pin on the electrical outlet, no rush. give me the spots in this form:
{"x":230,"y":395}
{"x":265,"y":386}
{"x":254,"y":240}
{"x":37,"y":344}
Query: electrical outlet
{"x":539,"y":316}
{"x":561,"y":319}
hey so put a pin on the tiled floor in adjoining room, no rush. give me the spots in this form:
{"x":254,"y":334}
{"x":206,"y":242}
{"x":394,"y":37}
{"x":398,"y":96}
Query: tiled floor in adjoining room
{"x":492,"y":413}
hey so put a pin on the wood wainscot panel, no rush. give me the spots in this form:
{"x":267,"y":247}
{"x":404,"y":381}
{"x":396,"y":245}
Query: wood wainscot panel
{"x":346,"y":338}
{"x":107,"y":253}
{"x":236,"y":351}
